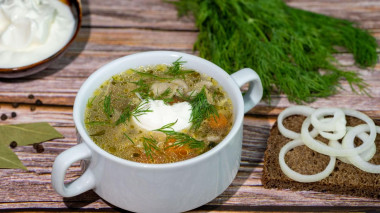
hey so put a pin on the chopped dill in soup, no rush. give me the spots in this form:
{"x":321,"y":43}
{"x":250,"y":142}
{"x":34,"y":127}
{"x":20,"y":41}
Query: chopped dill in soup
{"x":159,"y":114}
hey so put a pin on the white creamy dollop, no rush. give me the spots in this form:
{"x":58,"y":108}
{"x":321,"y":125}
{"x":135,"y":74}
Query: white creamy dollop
{"x":32,"y":30}
{"x":162,"y":114}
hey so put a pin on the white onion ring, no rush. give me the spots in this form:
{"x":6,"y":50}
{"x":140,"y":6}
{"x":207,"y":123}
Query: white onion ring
{"x":366,"y":155}
{"x":331,"y":125}
{"x":372,"y":129}
{"x":339,"y":133}
{"x":322,"y":148}
{"x":300,"y":177}
{"x":357,"y":160}
{"x":294,"y":110}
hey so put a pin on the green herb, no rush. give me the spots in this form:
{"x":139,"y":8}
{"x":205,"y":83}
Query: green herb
{"x":150,"y":144}
{"x":287,"y":47}
{"x":141,"y":109}
{"x":8,"y":159}
{"x":142,"y":88}
{"x":165,"y":96}
{"x":107,"y":106}
{"x":102,"y":132}
{"x":23,"y":134}
{"x":201,"y":109}
{"x":129,"y":139}
{"x":90,"y":101}
{"x":126,"y":115}
{"x":181,"y":138}
{"x":150,"y":75}
{"x":176,"y":68}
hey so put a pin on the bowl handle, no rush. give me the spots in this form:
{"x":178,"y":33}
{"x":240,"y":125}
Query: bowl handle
{"x":255,"y":90}
{"x":63,"y":161}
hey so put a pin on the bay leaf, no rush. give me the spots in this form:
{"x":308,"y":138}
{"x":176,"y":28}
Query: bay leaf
{"x":8,"y":159}
{"x":28,"y":133}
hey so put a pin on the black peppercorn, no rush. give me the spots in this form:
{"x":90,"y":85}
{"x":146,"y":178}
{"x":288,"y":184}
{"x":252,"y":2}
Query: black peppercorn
{"x":4,"y":117}
{"x":40,"y":148}
{"x":31,"y":96}
{"x":13,"y":114}
{"x":15,"y":105}
{"x":211,"y":145}
{"x":35,"y":145}
{"x":38,"y":102}
{"x":13,"y":144}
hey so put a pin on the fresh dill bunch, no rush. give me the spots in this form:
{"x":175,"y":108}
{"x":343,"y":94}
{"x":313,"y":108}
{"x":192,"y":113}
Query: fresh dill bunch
{"x":290,"y":49}
{"x":181,"y":139}
{"x":107,"y":106}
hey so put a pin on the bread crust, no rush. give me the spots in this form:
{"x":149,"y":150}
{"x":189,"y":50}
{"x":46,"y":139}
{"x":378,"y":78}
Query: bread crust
{"x":345,"y":179}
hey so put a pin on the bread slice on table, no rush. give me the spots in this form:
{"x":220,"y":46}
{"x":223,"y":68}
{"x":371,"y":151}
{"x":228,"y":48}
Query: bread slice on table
{"x":345,"y":179}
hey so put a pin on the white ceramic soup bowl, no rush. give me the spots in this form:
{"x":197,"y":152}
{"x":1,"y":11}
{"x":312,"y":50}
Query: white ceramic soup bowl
{"x":172,"y":187}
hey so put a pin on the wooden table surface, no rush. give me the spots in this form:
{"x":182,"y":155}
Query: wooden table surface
{"x":116,"y":28}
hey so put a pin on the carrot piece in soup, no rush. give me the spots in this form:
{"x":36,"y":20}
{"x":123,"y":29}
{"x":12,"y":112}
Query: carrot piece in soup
{"x":218,"y":122}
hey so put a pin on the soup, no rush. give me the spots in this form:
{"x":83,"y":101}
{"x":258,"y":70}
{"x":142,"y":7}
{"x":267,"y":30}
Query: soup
{"x":159,"y":114}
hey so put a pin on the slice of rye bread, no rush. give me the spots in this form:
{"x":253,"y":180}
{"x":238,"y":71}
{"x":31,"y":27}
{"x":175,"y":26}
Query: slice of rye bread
{"x":345,"y":179}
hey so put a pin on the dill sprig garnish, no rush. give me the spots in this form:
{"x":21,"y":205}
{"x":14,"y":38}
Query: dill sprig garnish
{"x":165,"y":96}
{"x":176,"y":68}
{"x":150,"y":75}
{"x":107,"y":106}
{"x":127,"y":113}
{"x":201,"y":109}
{"x":142,"y":88}
{"x":90,"y":101}
{"x":287,"y":47}
{"x":129,"y":138}
{"x":181,"y":138}
{"x":141,"y":109}
{"x":100,"y":133}
{"x":150,"y":144}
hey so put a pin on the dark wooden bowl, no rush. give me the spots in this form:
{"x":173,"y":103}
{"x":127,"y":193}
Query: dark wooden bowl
{"x":17,"y":72}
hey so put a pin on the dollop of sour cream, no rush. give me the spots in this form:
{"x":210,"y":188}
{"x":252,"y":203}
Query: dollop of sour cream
{"x":32,"y":30}
{"x":162,"y":114}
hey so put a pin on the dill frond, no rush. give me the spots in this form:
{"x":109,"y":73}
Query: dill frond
{"x":201,"y":109}
{"x":129,"y":138}
{"x":142,"y":88}
{"x":181,"y":138}
{"x":176,"y":69}
{"x":125,"y":115}
{"x":150,"y":144}
{"x":141,"y":109}
{"x":107,"y":106}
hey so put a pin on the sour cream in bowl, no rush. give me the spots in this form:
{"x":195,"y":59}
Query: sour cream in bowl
{"x":33,"y":33}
